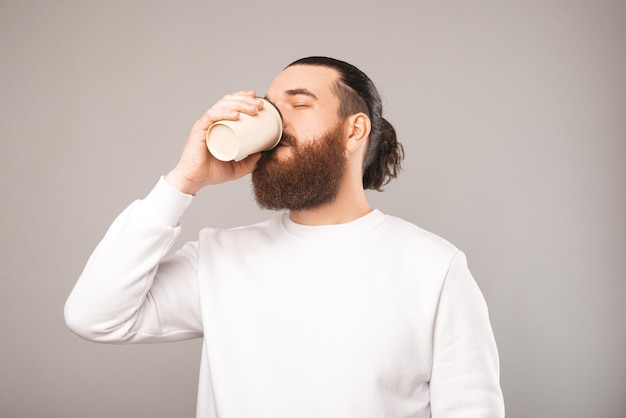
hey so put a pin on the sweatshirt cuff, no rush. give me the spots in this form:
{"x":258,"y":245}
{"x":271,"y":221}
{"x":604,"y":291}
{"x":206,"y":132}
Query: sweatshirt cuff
{"x":166,"y":204}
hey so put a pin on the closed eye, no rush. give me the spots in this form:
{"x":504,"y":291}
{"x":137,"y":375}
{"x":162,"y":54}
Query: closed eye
{"x":301,"y":98}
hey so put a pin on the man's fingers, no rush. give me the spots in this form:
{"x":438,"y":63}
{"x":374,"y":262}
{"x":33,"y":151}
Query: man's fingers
{"x":230,"y":107}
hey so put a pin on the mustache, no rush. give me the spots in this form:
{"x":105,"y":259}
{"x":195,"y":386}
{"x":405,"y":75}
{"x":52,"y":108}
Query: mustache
{"x":288,"y":140}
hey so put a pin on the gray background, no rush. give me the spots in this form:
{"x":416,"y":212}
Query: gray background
{"x":513,"y":119}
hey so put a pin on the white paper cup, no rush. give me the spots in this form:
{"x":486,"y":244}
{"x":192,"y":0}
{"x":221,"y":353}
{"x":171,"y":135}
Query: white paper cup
{"x":231,"y":140}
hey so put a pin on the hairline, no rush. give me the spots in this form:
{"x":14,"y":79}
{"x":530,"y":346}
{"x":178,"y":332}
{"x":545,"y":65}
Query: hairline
{"x":350,"y":101}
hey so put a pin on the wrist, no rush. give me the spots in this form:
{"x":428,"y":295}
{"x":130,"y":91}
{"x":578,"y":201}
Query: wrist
{"x":182,"y":184}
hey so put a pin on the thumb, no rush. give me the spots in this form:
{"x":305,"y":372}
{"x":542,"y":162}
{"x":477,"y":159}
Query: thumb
{"x":248,"y":164}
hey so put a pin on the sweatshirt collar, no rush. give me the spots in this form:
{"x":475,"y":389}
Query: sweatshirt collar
{"x":364,"y":223}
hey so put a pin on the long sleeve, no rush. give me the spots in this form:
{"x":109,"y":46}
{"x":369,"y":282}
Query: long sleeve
{"x":128,"y":292}
{"x":465,"y":374}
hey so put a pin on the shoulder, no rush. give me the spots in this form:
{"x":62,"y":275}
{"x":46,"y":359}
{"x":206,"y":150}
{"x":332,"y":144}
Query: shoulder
{"x":414,"y":249}
{"x":407,"y":234}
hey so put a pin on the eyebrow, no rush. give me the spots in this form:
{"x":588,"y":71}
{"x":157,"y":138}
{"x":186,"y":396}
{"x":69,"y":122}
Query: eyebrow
{"x":296,"y":92}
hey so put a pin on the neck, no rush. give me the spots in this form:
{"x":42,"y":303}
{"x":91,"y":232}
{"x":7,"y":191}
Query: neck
{"x":350,"y":204}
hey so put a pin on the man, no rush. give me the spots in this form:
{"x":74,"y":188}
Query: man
{"x":331,"y":309}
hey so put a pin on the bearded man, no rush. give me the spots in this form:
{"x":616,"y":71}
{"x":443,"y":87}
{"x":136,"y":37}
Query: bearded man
{"x":328,"y":309}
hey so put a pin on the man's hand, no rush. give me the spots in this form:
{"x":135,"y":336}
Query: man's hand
{"x":196,"y":166}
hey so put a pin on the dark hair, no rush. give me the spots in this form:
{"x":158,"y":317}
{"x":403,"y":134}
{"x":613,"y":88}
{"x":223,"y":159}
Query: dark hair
{"x":357,"y":93}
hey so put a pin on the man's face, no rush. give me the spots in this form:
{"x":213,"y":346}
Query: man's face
{"x":307,"y":102}
{"x":304,"y":171}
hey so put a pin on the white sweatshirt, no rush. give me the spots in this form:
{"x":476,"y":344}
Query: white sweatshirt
{"x":373,"y":318}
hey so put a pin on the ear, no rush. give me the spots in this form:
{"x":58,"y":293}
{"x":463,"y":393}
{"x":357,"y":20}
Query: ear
{"x":358,"y":127}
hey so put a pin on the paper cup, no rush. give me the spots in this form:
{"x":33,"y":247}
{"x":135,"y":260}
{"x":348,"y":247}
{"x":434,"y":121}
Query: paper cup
{"x":231,"y":140}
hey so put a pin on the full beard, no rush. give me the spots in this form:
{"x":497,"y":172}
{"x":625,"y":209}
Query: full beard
{"x":306,"y":179}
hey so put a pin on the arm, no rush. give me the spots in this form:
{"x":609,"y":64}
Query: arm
{"x":128,"y":292}
{"x":465,"y":374}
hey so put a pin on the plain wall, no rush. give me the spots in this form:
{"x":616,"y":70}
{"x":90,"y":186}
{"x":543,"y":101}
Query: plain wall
{"x":512,"y":114}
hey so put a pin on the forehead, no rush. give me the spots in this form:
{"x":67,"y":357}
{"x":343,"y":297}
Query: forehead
{"x":316,"y":79}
